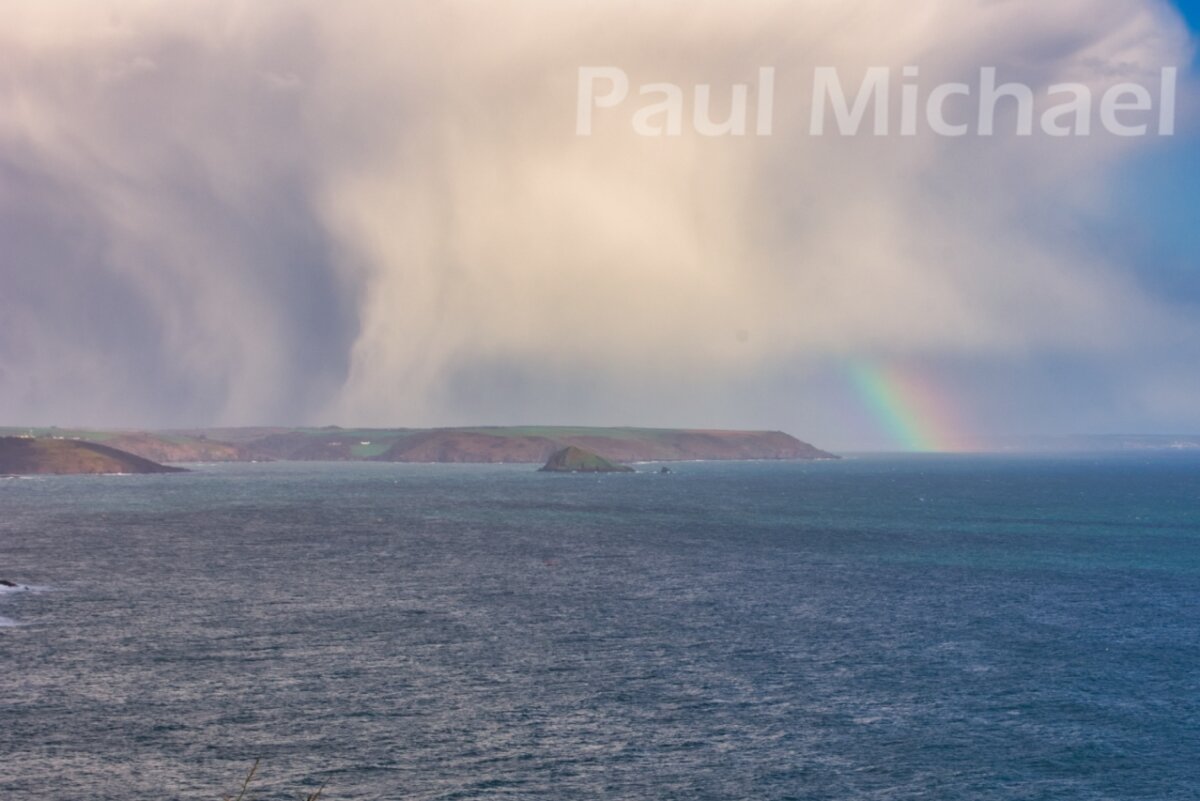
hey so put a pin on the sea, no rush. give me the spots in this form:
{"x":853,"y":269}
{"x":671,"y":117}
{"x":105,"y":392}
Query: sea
{"x":881,"y":627}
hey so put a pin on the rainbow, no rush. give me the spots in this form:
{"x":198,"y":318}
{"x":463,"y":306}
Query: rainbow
{"x":909,"y":408}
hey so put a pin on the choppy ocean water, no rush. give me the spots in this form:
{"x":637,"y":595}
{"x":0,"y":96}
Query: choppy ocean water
{"x":877,"y":628}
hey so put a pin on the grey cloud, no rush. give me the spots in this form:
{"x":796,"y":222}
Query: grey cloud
{"x":379,"y":213}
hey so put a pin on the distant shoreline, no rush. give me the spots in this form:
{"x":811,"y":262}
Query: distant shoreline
{"x":480,"y":445}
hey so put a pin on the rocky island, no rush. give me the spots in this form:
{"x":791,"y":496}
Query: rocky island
{"x":573,"y":459}
{"x":22,"y":456}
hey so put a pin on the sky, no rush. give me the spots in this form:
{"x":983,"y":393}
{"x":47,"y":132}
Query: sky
{"x":383,"y":214}
{"x":1191,"y":12}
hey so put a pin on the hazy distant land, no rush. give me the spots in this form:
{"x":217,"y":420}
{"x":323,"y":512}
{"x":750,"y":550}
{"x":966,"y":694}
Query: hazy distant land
{"x":1098,"y":443}
{"x":515,"y":444}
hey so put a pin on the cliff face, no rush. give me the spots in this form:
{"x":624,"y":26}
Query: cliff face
{"x":168,"y":448}
{"x":619,"y":445}
{"x":449,"y":445}
{"x":677,"y":446}
{"x":577,"y":460}
{"x":20,"y":456}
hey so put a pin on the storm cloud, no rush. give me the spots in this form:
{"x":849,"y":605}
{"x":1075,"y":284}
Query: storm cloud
{"x":380,"y":213}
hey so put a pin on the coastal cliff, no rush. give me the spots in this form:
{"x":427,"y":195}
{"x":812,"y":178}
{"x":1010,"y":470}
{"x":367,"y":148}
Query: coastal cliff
{"x":525,"y":444}
{"x":487,"y":444}
{"x":25,"y":456}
